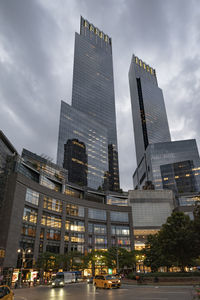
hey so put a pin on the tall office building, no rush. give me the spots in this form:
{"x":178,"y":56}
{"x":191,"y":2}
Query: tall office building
{"x":148,"y":108}
{"x":93,"y":96}
{"x":169,"y":165}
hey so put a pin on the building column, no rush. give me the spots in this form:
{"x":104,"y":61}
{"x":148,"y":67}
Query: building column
{"x":86,"y":230}
{"x":131,"y":230}
{"x":108,"y":230}
{"x":38,"y":228}
{"x":62,"y":237}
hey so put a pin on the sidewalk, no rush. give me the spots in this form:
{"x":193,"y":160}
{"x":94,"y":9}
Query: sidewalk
{"x":159,"y":283}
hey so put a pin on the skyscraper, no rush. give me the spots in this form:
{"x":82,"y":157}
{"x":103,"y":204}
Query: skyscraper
{"x":168,"y":164}
{"x":93,"y":92}
{"x":148,"y":108}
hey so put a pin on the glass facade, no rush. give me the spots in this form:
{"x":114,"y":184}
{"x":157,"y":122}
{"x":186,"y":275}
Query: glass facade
{"x":93,"y":95}
{"x":82,"y":148}
{"x":148,"y":107}
{"x":119,"y":216}
{"x":98,"y":214}
{"x":174,"y":165}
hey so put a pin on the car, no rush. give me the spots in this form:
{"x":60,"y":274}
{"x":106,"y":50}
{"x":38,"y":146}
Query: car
{"x":90,"y":280}
{"x":6,"y":293}
{"x":106,"y":281}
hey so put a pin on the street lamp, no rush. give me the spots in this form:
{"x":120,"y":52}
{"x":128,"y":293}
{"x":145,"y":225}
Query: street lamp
{"x":23,"y":252}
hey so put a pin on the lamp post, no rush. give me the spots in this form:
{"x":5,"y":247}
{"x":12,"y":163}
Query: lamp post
{"x":23,"y":252}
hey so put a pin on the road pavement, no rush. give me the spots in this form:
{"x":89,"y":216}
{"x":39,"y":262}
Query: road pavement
{"x":84,"y":291}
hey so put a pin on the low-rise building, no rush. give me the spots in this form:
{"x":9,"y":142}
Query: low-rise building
{"x":150,"y":210}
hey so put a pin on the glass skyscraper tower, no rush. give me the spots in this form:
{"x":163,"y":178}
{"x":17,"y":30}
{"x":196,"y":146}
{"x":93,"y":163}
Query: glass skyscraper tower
{"x":93,"y":97}
{"x":148,"y":108}
{"x":167,"y":164}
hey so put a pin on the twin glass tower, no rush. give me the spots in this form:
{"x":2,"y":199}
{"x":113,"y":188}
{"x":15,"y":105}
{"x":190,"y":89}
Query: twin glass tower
{"x":167,"y":164}
{"x":87,"y":142}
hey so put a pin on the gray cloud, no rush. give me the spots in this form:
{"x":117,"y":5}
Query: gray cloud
{"x":36,"y":65}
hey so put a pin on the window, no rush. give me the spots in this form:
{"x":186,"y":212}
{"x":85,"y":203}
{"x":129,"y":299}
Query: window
{"x":98,"y":214}
{"x":52,"y":204}
{"x":51,"y":221}
{"x":50,"y":184}
{"x":100,"y":239}
{"x":74,"y":210}
{"x":119,"y":216}
{"x":28,"y":230}
{"x":97,"y":228}
{"x":120,"y":230}
{"x":53,"y":234}
{"x":77,"y":238}
{"x":32,"y":197}
{"x":77,"y":226}
{"x":30,"y":215}
{"x":73,"y":193}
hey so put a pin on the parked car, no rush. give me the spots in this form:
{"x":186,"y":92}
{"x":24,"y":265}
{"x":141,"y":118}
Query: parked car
{"x":106,"y":281}
{"x":6,"y":293}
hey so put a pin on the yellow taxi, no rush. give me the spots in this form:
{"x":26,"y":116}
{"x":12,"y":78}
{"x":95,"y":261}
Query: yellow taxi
{"x":6,"y":293}
{"x":106,"y":281}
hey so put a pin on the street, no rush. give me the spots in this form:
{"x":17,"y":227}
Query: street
{"x":83,"y":291}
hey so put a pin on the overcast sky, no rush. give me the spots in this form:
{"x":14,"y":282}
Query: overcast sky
{"x":36,"y":66}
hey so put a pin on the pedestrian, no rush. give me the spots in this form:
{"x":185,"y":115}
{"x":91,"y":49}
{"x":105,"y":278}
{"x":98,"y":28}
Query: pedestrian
{"x":29,"y":284}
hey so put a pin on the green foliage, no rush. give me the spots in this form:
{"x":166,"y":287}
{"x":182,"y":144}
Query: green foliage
{"x":176,"y":244}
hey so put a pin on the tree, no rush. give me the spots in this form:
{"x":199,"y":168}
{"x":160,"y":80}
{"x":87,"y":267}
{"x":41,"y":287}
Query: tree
{"x":154,"y":256}
{"x":177,"y":240}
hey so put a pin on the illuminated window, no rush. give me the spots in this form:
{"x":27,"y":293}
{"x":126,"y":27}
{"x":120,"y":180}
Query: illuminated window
{"x":30,"y":215}
{"x":28,"y":230}
{"x":77,"y":226}
{"x":52,"y":204}
{"x":144,"y":66}
{"x":147,"y":68}
{"x":77,"y":238}
{"x":53,"y":234}
{"x":136,"y":60}
{"x":74,"y":210}
{"x":106,"y":38}
{"x":101,"y":35}
{"x":140,"y":63}
{"x":51,"y":221}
